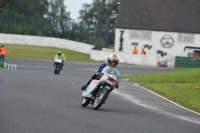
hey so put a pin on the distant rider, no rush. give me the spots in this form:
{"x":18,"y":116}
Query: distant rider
{"x":60,"y":55}
{"x":112,"y":61}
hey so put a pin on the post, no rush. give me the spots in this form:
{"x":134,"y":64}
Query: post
{"x":88,"y":33}
{"x":33,"y":20}
{"x":63,"y":32}
{"x":80,"y":34}
{"x":72,"y":32}
{"x":98,"y":34}
{"x":106,"y":36}
{"x":51,"y":28}
{"x":6,"y":24}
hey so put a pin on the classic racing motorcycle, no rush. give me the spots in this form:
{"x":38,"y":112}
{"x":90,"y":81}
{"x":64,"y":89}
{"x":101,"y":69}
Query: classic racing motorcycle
{"x":58,"y":64}
{"x":99,"y":89}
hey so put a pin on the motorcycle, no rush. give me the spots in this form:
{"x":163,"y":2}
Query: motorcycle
{"x":99,"y":89}
{"x":58,"y":64}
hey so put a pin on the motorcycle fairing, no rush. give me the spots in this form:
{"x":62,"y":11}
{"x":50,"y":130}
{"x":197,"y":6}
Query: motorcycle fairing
{"x":90,"y":87}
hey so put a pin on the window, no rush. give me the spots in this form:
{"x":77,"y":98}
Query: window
{"x":140,"y":34}
{"x":188,"y":38}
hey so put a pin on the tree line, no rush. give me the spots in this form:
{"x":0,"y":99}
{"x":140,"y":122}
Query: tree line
{"x":95,"y":24}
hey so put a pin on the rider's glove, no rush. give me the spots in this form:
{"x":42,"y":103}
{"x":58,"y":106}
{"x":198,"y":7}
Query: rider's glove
{"x":97,"y":73}
{"x":116,"y":84}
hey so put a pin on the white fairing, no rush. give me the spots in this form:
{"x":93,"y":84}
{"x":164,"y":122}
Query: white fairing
{"x":107,"y":71}
{"x":90,"y":87}
{"x":57,"y":60}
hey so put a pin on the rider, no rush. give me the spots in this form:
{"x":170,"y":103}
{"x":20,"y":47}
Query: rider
{"x":112,"y":61}
{"x":60,"y":54}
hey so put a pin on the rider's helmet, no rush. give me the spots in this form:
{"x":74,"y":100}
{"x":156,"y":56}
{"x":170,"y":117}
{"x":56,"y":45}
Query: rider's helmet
{"x":59,"y":53}
{"x":112,"y":60}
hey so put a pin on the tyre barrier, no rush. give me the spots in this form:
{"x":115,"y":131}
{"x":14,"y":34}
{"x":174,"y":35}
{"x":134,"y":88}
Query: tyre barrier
{"x":9,"y":66}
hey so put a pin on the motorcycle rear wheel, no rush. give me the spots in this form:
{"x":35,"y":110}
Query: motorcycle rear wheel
{"x":101,"y":99}
{"x":85,"y":102}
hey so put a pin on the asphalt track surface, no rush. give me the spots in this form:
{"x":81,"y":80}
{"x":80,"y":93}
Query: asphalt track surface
{"x":34,"y":100}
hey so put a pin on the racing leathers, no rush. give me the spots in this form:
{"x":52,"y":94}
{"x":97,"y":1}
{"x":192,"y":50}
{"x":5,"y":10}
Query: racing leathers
{"x":62,"y":57}
{"x":96,"y":74}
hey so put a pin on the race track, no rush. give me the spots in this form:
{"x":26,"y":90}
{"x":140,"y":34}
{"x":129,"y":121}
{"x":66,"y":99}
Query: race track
{"x":34,"y":100}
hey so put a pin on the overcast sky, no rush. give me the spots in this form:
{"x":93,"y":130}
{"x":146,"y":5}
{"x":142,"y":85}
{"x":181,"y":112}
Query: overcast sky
{"x":74,"y":6}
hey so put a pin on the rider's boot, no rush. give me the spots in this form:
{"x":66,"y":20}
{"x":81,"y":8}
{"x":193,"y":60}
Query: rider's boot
{"x":85,"y":86}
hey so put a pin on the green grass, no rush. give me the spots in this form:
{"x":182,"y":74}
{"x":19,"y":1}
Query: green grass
{"x":182,"y":86}
{"x":43,"y":53}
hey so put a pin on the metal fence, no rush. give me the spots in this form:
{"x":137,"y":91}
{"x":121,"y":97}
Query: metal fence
{"x":187,"y":62}
{"x":95,"y":34}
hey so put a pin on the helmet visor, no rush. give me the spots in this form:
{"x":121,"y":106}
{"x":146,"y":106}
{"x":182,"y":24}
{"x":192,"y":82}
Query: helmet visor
{"x":113,"y":62}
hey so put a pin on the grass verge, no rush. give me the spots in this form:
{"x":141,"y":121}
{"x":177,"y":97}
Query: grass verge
{"x":182,"y":86}
{"x":43,"y":53}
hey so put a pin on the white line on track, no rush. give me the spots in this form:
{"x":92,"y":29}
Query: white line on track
{"x":172,"y":115}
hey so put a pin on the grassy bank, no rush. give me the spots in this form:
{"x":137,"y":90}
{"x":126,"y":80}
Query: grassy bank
{"x":44,"y":53}
{"x":182,"y":86}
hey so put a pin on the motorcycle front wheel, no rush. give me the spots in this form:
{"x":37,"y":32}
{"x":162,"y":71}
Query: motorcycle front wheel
{"x":101,"y":99}
{"x":58,"y":70}
{"x":85,"y":102}
{"x":55,"y":69}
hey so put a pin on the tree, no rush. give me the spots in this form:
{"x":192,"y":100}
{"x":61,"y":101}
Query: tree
{"x":34,"y":17}
{"x":100,"y":15}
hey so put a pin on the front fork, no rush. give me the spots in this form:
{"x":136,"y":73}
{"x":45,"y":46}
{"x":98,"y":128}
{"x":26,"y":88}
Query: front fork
{"x":104,"y":87}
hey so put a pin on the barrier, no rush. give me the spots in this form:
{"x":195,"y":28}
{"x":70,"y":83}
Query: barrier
{"x":45,"y":41}
{"x":10,"y":66}
{"x":128,"y":58}
{"x":146,"y":60}
{"x":171,"y":62}
{"x":187,"y":62}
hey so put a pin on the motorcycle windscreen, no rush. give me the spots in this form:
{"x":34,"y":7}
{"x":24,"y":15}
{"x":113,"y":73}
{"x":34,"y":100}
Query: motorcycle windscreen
{"x":58,"y":59}
{"x":111,"y":70}
{"x":90,"y":87}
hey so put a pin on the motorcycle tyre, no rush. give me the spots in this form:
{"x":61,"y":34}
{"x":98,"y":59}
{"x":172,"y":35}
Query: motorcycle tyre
{"x":87,"y":101}
{"x":58,"y":71}
{"x":102,"y":100}
{"x":55,"y":69}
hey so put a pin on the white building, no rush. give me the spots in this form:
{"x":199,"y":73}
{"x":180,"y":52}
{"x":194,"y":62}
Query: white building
{"x":168,"y":26}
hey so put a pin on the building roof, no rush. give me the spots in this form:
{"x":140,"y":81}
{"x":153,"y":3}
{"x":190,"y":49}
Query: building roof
{"x":160,"y":15}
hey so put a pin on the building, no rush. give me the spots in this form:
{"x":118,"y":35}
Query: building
{"x":171,"y":27}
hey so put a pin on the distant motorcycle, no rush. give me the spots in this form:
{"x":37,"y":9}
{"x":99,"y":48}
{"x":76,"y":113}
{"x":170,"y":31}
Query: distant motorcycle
{"x":58,"y":64}
{"x":99,"y":89}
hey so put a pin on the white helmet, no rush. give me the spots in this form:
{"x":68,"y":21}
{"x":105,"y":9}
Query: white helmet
{"x":112,"y":58}
{"x":59,"y":53}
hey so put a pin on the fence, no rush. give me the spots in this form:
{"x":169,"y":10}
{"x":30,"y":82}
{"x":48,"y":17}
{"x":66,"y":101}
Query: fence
{"x":187,"y":62}
{"x":8,"y":66}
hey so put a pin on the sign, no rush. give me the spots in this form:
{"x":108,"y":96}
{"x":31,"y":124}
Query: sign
{"x":167,"y":41}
